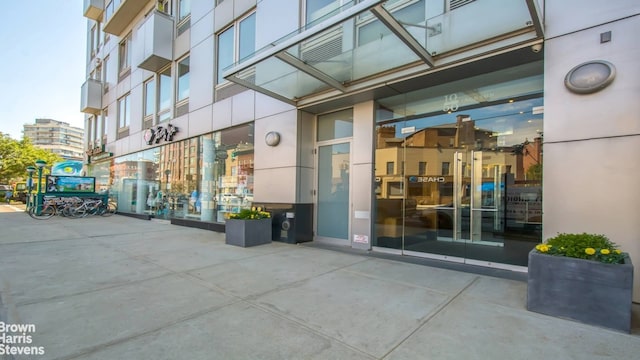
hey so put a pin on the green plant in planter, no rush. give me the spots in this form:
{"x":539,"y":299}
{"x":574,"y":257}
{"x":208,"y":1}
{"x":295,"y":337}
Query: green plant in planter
{"x":583,"y":246}
{"x":254,"y":213}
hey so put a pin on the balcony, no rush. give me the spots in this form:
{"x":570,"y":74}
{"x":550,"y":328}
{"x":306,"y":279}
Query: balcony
{"x":91,"y":97}
{"x":120,"y":13}
{"x":93,"y":9}
{"x":157,"y":41}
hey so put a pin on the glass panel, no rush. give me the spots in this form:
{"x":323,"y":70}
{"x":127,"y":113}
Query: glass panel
{"x":150,"y":98}
{"x":203,"y":178}
{"x":247,"y":37}
{"x":335,"y":125}
{"x":472,"y":22}
{"x":333,"y":191}
{"x":184,"y":8}
{"x":183,"y":79}
{"x":481,"y":198}
{"x":165,"y":90}
{"x":281,"y":78}
{"x":225,"y":51}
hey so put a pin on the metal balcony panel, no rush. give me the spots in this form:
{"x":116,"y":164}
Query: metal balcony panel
{"x":91,"y":97}
{"x":122,"y":16}
{"x":157,"y":41}
{"x":368,"y":40}
{"x":93,"y":9}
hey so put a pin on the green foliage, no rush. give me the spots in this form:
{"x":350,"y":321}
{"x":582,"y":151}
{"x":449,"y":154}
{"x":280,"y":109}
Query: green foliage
{"x":583,"y":246}
{"x":251,"y":214}
{"x":16,"y":155}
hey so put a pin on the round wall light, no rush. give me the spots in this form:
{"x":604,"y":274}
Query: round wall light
{"x":590,"y":77}
{"x":272,"y":138}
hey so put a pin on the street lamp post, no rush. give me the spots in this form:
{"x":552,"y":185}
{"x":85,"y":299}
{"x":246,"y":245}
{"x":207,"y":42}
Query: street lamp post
{"x":40,"y":164}
{"x":30,"y":171}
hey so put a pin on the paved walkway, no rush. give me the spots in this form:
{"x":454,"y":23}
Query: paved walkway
{"x":122,"y":288}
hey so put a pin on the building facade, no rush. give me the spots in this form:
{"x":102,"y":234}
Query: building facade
{"x":58,"y":137}
{"x":467,"y":131}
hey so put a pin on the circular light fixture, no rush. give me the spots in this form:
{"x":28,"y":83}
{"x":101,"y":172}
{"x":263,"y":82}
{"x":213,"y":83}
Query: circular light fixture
{"x":31,"y":169}
{"x":272,"y":138}
{"x":590,"y":77}
{"x":41,"y":163}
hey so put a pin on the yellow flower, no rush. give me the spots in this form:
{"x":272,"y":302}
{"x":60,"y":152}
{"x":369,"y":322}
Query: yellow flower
{"x":617,"y":251}
{"x":542,"y":247}
{"x":605,"y":251}
{"x":253,"y":208}
{"x":590,"y":251}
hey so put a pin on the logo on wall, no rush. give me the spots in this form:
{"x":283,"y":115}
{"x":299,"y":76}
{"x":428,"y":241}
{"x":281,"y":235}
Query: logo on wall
{"x":158,"y":133}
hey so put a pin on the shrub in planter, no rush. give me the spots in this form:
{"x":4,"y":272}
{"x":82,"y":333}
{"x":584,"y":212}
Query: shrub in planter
{"x":249,"y":227}
{"x":583,"y":277}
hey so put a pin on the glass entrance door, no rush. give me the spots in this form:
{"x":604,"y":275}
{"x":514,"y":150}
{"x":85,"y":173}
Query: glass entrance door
{"x":461,"y":187}
{"x":333,"y":192}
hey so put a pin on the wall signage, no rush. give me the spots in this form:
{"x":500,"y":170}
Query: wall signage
{"x":590,"y":77}
{"x":158,"y":133}
{"x":423,"y":179}
{"x":95,"y":151}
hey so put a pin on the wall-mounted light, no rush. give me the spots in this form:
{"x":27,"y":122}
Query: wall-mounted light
{"x":272,"y":138}
{"x":590,"y":77}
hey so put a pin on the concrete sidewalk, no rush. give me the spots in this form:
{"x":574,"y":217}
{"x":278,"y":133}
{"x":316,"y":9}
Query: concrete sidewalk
{"x":122,"y":288}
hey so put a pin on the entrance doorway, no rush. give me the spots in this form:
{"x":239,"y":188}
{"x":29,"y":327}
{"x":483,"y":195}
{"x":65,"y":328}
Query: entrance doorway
{"x":463,"y":187}
{"x":333,"y":192}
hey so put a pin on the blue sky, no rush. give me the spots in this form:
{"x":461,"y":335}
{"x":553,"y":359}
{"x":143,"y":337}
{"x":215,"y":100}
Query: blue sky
{"x":42,"y":67}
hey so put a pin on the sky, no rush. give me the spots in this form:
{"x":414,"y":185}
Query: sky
{"x":42,"y":63}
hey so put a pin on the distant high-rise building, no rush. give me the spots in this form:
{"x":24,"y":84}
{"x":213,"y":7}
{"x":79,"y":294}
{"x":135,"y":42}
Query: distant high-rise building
{"x":57,"y":136}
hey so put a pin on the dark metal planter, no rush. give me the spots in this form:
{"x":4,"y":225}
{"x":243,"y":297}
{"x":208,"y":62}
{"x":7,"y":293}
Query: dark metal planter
{"x":583,"y":290}
{"x":247,"y":233}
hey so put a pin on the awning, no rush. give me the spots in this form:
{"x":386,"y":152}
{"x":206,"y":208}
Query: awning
{"x":363,"y":40}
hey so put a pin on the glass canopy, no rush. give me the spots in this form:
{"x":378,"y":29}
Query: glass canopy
{"x":346,"y":42}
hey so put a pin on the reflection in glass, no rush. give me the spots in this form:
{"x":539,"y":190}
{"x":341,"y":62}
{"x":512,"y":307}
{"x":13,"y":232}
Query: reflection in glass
{"x":467,"y":183}
{"x":203,"y":178}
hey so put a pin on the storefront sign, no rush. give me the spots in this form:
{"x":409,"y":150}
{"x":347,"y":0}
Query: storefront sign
{"x":159,"y":132}
{"x":96,"y":150}
{"x":419,"y":179}
{"x":101,"y":156}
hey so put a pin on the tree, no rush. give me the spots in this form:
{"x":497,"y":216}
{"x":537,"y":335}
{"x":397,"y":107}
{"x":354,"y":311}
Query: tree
{"x":16,"y":155}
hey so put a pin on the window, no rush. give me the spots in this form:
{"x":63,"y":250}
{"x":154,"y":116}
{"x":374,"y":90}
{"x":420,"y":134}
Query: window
{"x":422,"y":168}
{"x":335,"y":125}
{"x":164,"y":90}
{"x":105,"y":82}
{"x":165,"y":6}
{"x":93,"y":41}
{"x":101,"y":129}
{"x":184,"y":15}
{"x":234,"y":46}
{"x":149,"y":98}
{"x":183,"y":80}
{"x":124,"y":54}
{"x":124,"y":115}
{"x":390,"y":168}
{"x":445,"y":168}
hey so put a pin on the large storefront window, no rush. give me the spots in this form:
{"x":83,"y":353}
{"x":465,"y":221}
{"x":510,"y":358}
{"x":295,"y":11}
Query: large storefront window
{"x":204,"y":178}
{"x":458,"y":168}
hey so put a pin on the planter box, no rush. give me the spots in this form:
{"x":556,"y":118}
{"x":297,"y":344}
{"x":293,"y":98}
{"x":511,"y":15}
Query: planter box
{"x":583,"y":290}
{"x":247,"y":233}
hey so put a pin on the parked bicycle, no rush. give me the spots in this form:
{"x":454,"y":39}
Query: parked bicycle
{"x":73,"y":207}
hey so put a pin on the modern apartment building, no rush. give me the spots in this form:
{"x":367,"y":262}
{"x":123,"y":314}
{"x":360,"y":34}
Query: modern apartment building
{"x":58,"y":137}
{"x":463,"y":130}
